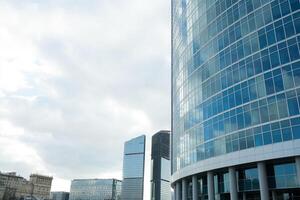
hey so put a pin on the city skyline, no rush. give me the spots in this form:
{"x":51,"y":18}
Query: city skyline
{"x":63,"y":69}
{"x":85,"y":84}
{"x":129,"y":147}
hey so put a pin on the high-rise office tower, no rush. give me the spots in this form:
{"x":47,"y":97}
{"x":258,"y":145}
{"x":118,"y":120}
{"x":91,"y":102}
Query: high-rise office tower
{"x":133,"y":169}
{"x":95,"y":189}
{"x":160,"y":166}
{"x":235,"y":99}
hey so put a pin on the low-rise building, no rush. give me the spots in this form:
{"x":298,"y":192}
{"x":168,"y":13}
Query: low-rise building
{"x":42,"y":185}
{"x":16,"y":187}
{"x":59,"y":195}
{"x":95,"y":189}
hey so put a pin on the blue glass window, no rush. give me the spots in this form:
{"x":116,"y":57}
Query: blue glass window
{"x":286,"y":134}
{"x":296,"y":132}
{"x":297,"y":25}
{"x":263,"y":41}
{"x":276,"y":135}
{"x":243,"y":143}
{"x":235,"y":145}
{"x":271,"y":37}
{"x":266,"y":62}
{"x":284,"y":56}
{"x":249,"y":6}
{"x":289,"y":29}
{"x":295,"y":4}
{"x":284,"y":176}
{"x":250,"y":142}
{"x":280,"y":33}
{"x":269,"y":86}
{"x":285,"y":8}
{"x":278,"y":83}
{"x":245,"y":95}
{"x":293,"y":106}
{"x":296,"y":75}
{"x":264,"y":114}
{"x":274,"y":59}
{"x":267,"y":138}
{"x":258,"y":140}
{"x":294,"y":52}
{"x":257,"y":66}
{"x":276,"y":12}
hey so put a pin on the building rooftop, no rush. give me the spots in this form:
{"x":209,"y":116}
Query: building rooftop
{"x":59,"y":192}
{"x":11,"y":174}
{"x":87,"y":179}
{"x":39,"y":175}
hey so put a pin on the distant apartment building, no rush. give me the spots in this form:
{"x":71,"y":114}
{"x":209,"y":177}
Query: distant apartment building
{"x":16,"y":187}
{"x":95,"y":189}
{"x":133,"y":169}
{"x":160,"y":166}
{"x":42,"y":186}
{"x":59,"y":195}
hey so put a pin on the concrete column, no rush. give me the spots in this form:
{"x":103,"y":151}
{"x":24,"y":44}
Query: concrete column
{"x":178,"y":191}
{"x":195,"y":187}
{"x":263,"y":181}
{"x":233,"y":184}
{"x":210,"y":186}
{"x":297,"y":159}
{"x":184,"y":190}
{"x":274,"y":195}
{"x":244,"y":196}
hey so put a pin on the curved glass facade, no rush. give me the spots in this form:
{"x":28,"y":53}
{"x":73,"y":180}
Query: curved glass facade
{"x":235,"y":76}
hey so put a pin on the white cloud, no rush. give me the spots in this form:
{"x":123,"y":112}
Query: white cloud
{"x":60,"y":184}
{"x":77,"y":79}
{"x":13,"y":151}
{"x":8,"y":130}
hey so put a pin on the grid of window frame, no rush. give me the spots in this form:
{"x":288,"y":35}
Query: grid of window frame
{"x":235,"y":67}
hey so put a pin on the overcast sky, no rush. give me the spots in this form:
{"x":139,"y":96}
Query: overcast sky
{"x":77,"y":79}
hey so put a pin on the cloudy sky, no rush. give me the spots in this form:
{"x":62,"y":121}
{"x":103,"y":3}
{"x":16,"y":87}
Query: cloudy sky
{"x":77,"y":79}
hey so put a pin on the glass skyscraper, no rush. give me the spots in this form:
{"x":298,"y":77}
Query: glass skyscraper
{"x":133,"y":169}
{"x":160,"y":166}
{"x":235,"y":99}
{"x":95,"y":189}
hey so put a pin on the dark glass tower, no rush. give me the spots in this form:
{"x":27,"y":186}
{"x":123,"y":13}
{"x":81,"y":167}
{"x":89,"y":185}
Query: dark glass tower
{"x":160,"y":166}
{"x":236,"y":99}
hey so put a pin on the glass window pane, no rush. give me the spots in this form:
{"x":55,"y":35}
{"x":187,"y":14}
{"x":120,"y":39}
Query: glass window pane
{"x":267,"y":138}
{"x":293,"y":106}
{"x":296,"y":132}
{"x":258,"y":140}
{"x":286,"y":134}
{"x":276,"y":135}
